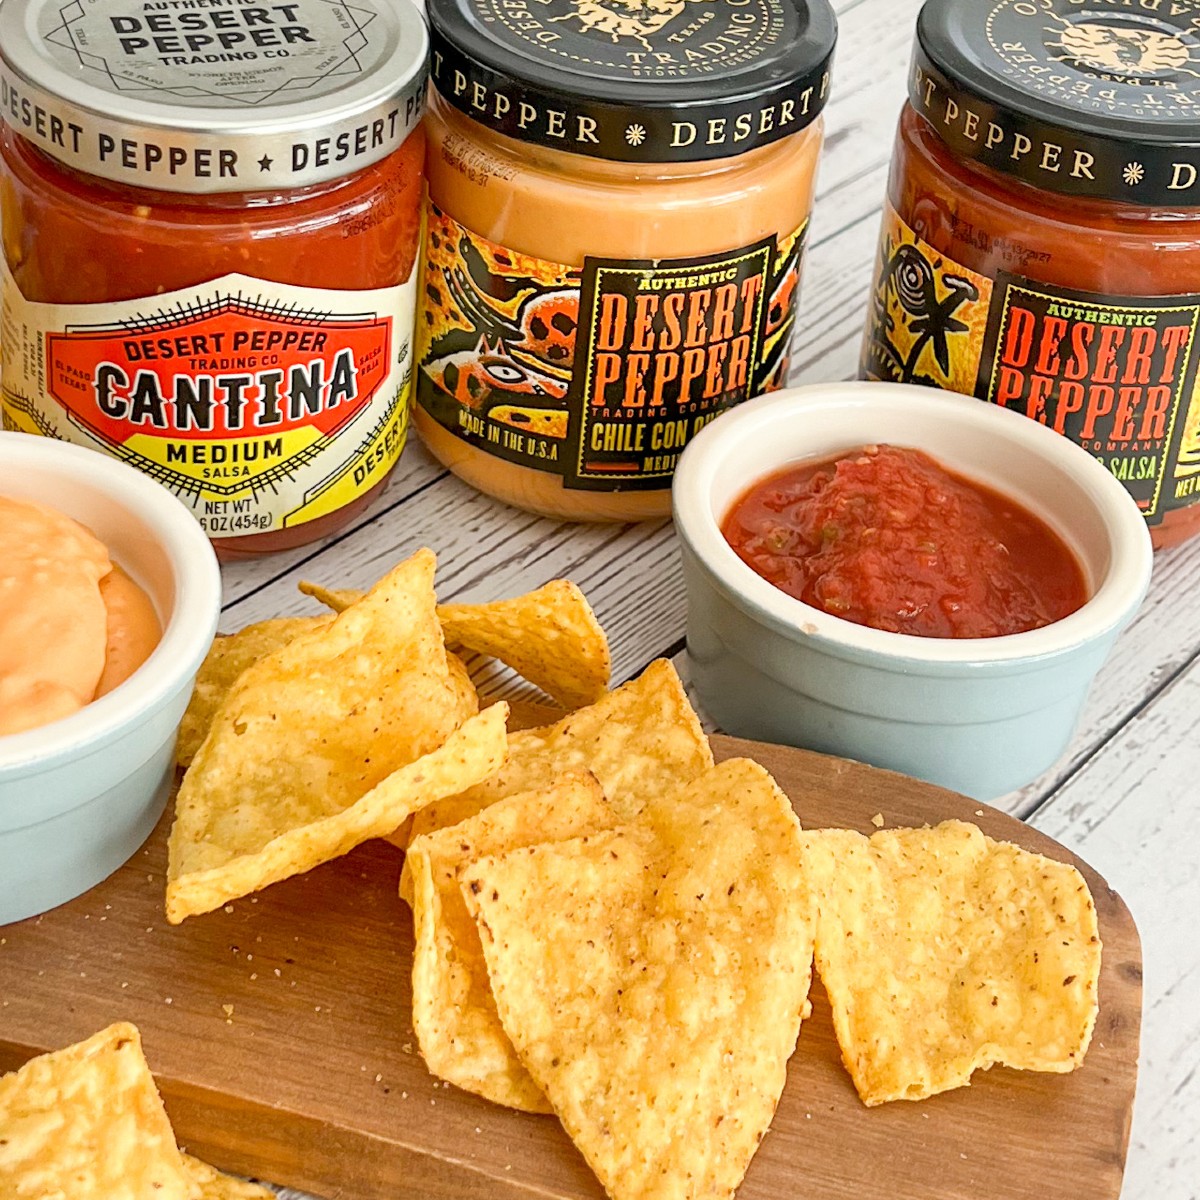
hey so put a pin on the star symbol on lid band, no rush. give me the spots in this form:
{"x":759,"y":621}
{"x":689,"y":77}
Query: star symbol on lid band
{"x":1134,"y":173}
{"x":635,"y":135}
{"x":264,"y":163}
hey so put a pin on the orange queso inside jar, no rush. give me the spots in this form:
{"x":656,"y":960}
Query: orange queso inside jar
{"x":212,"y":275}
{"x":1041,"y":244}
{"x":616,"y":224}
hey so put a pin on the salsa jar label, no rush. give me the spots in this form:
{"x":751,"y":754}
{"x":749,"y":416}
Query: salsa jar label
{"x":600,"y":374}
{"x":1115,"y":374}
{"x":260,"y":405}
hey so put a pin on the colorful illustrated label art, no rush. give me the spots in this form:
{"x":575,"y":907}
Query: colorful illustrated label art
{"x":600,"y":374}
{"x":261,"y":406}
{"x":1115,"y":374}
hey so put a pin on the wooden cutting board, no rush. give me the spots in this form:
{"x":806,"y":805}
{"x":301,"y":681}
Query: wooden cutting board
{"x":280,"y":1032}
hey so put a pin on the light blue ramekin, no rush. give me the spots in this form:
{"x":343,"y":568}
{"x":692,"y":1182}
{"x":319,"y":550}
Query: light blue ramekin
{"x":982,"y":716}
{"x":78,"y":797}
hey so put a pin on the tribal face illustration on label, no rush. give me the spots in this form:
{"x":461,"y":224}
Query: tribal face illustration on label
{"x":916,"y":316}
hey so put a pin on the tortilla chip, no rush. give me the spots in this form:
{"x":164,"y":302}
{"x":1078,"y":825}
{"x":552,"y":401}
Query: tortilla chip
{"x":231,"y":655}
{"x":223,"y":665}
{"x":460,"y":681}
{"x":550,"y":637}
{"x":454,"y":1015}
{"x":87,"y":1123}
{"x":943,"y":952}
{"x":285,"y":778}
{"x":640,"y":741}
{"x":207,"y":1183}
{"x":653,"y":980}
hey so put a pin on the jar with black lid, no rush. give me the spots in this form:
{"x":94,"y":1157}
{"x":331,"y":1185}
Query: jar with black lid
{"x":1041,"y":242}
{"x":618,"y":205}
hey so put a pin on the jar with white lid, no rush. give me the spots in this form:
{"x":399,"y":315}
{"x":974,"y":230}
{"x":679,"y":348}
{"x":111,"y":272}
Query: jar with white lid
{"x":211,"y":222}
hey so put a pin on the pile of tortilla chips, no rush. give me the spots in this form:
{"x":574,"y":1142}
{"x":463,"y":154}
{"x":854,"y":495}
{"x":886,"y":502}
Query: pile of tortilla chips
{"x":307,"y":736}
{"x":87,"y":1123}
{"x":616,"y":930}
{"x":609,"y":926}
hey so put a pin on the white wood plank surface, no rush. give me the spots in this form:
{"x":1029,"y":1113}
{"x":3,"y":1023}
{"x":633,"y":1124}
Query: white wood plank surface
{"x":1122,"y":796}
{"x":1132,"y":811}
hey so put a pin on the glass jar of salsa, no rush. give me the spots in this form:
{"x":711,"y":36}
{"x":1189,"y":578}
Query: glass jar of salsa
{"x":617,"y":218}
{"x":211,"y":220}
{"x":1041,"y":241}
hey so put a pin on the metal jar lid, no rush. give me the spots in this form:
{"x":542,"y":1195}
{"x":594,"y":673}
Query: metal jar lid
{"x":1097,"y":98}
{"x":660,"y":81}
{"x":210,"y":96}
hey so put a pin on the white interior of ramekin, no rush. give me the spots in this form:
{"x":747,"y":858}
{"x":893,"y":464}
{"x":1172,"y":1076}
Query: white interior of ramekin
{"x":152,"y":536}
{"x":1004,"y":450}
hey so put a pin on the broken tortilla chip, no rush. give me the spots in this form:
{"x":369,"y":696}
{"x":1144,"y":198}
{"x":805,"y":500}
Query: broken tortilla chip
{"x":653,"y":980}
{"x":550,"y":637}
{"x":207,"y":1183}
{"x":87,"y":1123}
{"x":227,"y":659}
{"x":337,"y":599}
{"x":943,"y":952}
{"x":454,"y":1015}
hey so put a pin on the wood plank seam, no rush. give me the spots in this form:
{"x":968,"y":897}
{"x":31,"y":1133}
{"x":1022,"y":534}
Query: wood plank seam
{"x":805,"y":363}
{"x":333,"y":541}
{"x":878,"y":164}
{"x":1098,"y":744}
{"x":873,"y":215}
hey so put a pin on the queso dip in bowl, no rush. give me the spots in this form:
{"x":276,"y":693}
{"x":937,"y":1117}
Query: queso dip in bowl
{"x":88,"y":716}
{"x":935,"y":699}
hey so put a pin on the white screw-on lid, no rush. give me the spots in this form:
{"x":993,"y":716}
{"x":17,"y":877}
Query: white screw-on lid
{"x":207,"y":96}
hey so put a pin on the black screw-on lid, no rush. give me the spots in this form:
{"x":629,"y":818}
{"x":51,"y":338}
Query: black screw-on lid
{"x":636,"y":80}
{"x":1083,"y":97}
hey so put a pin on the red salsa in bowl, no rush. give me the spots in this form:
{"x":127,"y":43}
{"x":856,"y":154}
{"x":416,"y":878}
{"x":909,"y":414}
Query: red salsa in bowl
{"x":889,"y":538}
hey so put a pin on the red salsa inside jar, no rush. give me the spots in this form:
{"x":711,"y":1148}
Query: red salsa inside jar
{"x":1040,"y":247}
{"x":208,"y":271}
{"x":887,"y":537}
